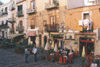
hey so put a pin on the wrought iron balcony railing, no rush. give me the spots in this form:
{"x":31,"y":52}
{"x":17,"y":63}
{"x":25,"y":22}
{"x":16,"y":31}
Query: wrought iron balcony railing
{"x":52,"y":28}
{"x":12,"y":20}
{"x":20,"y":29}
{"x":53,"y":5}
{"x":31,"y":11}
{"x":20,"y":13}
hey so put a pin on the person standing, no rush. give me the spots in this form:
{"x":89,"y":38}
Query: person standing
{"x":35,"y":53}
{"x":26,"y":55}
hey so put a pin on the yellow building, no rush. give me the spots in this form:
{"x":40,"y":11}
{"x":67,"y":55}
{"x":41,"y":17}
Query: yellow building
{"x":85,"y":20}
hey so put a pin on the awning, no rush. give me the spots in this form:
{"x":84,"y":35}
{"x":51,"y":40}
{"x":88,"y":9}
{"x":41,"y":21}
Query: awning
{"x":31,"y":33}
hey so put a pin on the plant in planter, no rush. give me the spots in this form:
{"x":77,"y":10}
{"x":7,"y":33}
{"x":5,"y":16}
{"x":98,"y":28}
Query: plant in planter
{"x":83,"y":61}
{"x":4,"y":45}
{"x":20,"y":48}
{"x":42,"y":53}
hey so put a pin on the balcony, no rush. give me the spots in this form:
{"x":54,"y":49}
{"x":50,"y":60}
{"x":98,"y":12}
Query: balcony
{"x":11,"y":20}
{"x":52,"y":28}
{"x":20,"y":13}
{"x":31,"y":11}
{"x":20,"y":29}
{"x":4,"y":26}
{"x":5,"y":13}
{"x":53,"y":5}
{"x":12,"y":30}
{"x":12,"y":8}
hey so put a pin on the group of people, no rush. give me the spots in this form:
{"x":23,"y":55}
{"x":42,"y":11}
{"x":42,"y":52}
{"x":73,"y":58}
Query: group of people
{"x":27,"y":52}
{"x":65,"y":53}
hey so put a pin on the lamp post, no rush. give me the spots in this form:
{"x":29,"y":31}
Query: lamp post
{"x":63,"y":30}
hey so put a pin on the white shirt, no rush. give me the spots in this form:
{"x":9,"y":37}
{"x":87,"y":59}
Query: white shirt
{"x":26,"y":51}
{"x":93,"y":65}
{"x":34,"y":50}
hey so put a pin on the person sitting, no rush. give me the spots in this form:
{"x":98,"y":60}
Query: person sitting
{"x":71,"y":52}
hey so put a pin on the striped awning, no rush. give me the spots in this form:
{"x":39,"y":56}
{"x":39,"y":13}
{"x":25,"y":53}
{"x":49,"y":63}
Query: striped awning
{"x":31,"y":33}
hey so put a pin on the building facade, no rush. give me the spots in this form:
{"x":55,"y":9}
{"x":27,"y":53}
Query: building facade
{"x":43,"y":18}
{"x":83,"y":21}
{"x":13,"y":19}
{"x":58,"y":21}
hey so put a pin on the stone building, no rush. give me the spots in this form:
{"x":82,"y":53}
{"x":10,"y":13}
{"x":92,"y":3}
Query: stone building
{"x":43,"y":18}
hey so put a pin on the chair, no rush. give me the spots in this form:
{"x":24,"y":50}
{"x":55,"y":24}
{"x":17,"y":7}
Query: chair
{"x":61,"y":59}
{"x":70,"y":58}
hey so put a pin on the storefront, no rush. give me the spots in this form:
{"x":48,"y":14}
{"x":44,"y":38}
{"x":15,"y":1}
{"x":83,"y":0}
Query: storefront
{"x":86,"y":43}
{"x":32,"y":37}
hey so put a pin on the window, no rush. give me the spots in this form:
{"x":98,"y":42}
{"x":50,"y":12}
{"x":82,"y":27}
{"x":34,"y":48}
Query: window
{"x":20,"y":24}
{"x":52,"y":1}
{"x":6,"y":9}
{"x":20,"y":8}
{"x":33,"y":4}
{"x":32,"y":24}
{"x":86,"y":16}
{"x":52,"y":20}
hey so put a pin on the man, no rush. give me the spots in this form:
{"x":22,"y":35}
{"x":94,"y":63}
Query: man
{"x":26,"y":55}
{"x":35,"y":53}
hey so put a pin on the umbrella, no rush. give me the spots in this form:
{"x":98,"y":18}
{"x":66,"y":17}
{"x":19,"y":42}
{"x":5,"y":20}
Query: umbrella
{"x":52,"y":46}
{"x":83,"y":52}
{"x":55,"y":49}
{"x":47,"y":47}
{"x":59,"y":43}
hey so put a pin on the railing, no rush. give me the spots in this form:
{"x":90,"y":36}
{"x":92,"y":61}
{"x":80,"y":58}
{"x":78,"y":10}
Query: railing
{"x":12,"y":8}
{"x":12,"y":20}
{"x":20,"y":29}
{"x":31,"y":11}
{"x":5,"y":13}
{"x":20,"y":13}
{"x":12,"y":30}
{"x":55,"y":4}
{"x":52,"y":28}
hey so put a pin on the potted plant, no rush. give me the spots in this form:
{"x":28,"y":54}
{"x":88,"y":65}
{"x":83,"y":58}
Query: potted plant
{"x":42,"y":53}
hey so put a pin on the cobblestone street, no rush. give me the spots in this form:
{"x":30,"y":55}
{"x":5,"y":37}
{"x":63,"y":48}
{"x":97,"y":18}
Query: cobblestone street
{"x":8,"y":58}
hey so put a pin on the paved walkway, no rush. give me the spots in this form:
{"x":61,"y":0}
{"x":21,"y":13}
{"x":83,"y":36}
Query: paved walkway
{"x":8,"y":58}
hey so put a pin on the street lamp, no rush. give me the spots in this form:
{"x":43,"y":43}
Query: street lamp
{"x":63,"y":30}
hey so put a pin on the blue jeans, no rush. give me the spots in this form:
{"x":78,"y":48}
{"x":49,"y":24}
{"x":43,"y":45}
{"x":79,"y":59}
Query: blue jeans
{"x":35,"y":57}
{"x":26,"y":58}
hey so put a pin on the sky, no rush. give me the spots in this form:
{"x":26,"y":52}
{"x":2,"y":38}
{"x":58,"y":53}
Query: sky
{"x":5,"y":1}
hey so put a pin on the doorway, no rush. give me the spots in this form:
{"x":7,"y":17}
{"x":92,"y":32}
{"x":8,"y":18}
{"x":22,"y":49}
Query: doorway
{"x":40,"y":40}
{"x":45,"y":40}
{"x":88,"y":44}
{"x":2,"y":34}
